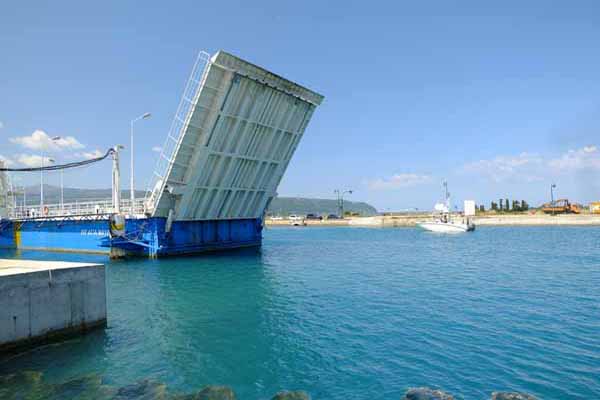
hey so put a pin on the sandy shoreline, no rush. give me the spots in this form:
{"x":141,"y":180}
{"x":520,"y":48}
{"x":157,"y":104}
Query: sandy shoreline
{"x":485,"y":220}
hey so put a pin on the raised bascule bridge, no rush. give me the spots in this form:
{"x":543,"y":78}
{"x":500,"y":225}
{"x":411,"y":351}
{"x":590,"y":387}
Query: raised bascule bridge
{"x":234,"y":133}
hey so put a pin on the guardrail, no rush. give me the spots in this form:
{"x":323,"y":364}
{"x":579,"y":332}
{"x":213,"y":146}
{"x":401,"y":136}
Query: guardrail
{"x":78,"y":208}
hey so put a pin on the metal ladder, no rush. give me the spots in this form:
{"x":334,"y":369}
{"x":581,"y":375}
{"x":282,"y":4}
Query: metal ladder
{"x":178,"y":127}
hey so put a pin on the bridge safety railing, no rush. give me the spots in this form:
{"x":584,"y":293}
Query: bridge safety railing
{"x":77,"y":208}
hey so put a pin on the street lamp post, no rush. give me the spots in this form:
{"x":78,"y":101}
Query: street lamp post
{"x":50,"y":160}
{"x":14,"y":189}
{"x":340,"y":199}
{"x":62,"y":197}
{"x":143,"y":116}
{"x":337,"y":194}
{"x":53,"y":139}
{"x":552,"y":187}
{"x":62,"y":193}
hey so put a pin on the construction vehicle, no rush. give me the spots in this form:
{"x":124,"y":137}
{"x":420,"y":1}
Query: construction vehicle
{"x":561,"y":206}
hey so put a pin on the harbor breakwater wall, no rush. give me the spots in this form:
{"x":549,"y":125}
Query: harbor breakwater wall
{"x":484,"y":220}
{"x":32,"y":384}
{"x":42,"y":301}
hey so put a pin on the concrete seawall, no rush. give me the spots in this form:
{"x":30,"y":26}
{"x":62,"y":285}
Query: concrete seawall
{"x":481,"y":220}
{"x":538,"y":219}
{"x":43,"y":300}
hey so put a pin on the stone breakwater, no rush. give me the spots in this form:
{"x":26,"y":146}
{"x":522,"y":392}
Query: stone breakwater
{"x":31,"y":385}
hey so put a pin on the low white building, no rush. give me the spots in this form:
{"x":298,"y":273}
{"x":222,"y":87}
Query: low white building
{"x":469,"y":207}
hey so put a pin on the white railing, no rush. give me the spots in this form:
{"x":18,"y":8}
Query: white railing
{"x":178,"y":127}
{"x":78,"y":208}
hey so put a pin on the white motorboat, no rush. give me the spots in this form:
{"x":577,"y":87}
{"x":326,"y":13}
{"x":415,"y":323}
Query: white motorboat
{"x":446,"y":227}
{"x":296,"y":220}
{"x":444,"y":222}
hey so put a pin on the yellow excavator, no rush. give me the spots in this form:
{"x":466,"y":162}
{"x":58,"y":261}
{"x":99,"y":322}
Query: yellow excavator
{"x":561,"y":206}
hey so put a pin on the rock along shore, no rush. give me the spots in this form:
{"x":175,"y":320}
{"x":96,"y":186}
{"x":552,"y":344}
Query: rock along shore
{"x":32,"y":385}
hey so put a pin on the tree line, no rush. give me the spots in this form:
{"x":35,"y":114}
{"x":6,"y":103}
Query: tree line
{"x":506,"y":205}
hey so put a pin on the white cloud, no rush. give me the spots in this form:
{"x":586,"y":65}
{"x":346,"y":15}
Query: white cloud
{"x":40,"y":140}
{"x":32,"y":160}
{"x":7,"y":161}
{"x":157,"y":149}
{"x":587,"y":157}
{"x":1,"y":124}
{"x":528,"y":167}
{"x":398,"y":181}
{"x":89,"y":154}
{"x":525,"y":167}
{"x":590,"y":149}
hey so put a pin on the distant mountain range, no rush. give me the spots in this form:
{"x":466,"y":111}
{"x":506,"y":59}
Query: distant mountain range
{"x":279,"y":206}
{"x":52,"y":194}
{"x":299,"y":205}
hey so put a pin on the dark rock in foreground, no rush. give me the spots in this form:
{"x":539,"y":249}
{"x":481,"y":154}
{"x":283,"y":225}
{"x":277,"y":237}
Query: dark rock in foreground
{"x":512,"y":396}
{"x":214,"y":393}
{"x":84,"y":387}
{"x":22,"y":385}
{"x":28,"y":377}
{"x":145,"y":389}
{"x":297,"y":395}
{"x":31,"y":385}
{"x":425,"y":393}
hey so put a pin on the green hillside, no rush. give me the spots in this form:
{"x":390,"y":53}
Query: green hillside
{"x":299,"y":205}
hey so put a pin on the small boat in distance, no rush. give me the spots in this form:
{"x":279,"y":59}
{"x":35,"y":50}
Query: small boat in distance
{"x":297,"y":220}
{"x":444,"y":222}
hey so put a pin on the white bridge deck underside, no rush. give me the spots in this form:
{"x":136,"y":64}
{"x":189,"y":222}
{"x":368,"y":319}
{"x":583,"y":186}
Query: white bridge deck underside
{"x":234,"y":135}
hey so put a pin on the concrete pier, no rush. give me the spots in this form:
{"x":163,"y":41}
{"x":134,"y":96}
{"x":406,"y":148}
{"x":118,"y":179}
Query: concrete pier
{"x":42,"y":301}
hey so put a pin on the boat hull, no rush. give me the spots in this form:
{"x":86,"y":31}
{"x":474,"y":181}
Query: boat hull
{"x":142,"y":237}
{"x":442,"y":227}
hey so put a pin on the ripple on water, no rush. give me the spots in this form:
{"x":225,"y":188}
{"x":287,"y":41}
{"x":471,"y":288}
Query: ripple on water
{"x":348,"y":313}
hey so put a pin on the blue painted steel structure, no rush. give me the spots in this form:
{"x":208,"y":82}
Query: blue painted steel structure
{"x":7,"y":234}
{"x":149,"y":236}
{"x":233,"y":136}
{"x":143,"y":237}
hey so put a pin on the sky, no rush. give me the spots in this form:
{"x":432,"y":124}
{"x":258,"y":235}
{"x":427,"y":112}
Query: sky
{"x":501,"y":100}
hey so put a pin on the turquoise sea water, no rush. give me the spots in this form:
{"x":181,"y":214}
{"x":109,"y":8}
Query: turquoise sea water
{"x":351,"y":313}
